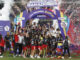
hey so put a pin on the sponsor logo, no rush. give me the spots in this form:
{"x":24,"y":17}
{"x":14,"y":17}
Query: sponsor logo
{"x":1,"y":28}
{"x":63,"y":25}
{"x":6,"y":28}
{"x":61,"y":18}
{"x":21,"y":18}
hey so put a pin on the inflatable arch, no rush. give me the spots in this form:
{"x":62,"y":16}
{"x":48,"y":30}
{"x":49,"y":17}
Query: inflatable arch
{"x":57,"y":15}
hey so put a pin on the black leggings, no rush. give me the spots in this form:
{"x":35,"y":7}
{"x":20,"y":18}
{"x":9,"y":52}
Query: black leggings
{"x":20,"y":48}
{"x":17,"y":45}
{"x":1,"y":50}
{"x":66,"y":49}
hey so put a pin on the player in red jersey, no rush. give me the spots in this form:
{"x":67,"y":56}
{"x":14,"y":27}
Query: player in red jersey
{"x":1,"y":46}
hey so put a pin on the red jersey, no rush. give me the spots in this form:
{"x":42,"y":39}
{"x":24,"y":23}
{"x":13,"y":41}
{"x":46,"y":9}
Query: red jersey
{"x":2,"y":42}
{"x":16,"y":38}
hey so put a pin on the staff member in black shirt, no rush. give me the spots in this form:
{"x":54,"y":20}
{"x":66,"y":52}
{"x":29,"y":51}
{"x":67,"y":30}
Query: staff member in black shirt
{"x":66,"y":43}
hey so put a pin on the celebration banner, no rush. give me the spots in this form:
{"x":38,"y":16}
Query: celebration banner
{"x":39,"y":3}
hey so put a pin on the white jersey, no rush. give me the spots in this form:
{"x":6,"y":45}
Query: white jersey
{"x":53,"y":33}
{"x":20,"y":39}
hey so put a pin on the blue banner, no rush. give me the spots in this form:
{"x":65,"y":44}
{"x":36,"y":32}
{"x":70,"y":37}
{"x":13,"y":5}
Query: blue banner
{"x":4,"y":27}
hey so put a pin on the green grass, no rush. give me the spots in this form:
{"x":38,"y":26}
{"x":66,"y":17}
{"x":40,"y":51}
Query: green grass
{"x":20,"y":58}
{"x":10,"y":57}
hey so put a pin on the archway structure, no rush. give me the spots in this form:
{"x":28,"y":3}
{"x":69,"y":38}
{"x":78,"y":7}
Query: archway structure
{"x":55,"y":15}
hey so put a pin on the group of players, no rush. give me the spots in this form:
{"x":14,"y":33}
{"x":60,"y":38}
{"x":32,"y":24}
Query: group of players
{"x":35,"y":41}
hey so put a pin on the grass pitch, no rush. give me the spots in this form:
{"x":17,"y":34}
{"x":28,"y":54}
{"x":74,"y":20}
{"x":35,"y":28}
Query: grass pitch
{"x":10,"y":57}
{"x":21,"y":58}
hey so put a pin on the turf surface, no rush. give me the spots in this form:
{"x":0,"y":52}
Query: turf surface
{"x":10,"y":57}
{"x":20,"y":58}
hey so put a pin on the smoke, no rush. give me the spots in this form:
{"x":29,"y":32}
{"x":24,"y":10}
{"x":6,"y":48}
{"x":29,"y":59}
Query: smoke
{"x":5,"y":11}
